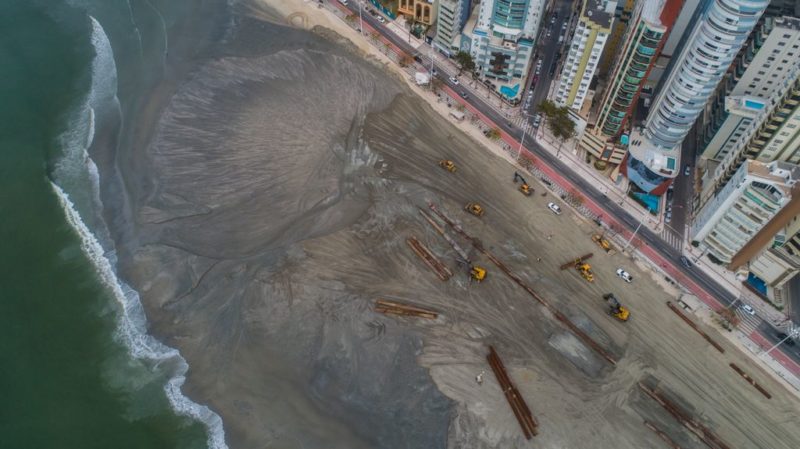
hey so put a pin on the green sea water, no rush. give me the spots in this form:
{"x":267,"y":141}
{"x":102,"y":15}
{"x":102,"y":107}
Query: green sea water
{"x":67,"y":378}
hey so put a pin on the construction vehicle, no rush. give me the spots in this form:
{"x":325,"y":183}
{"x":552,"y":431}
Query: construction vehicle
{"x":477,"y":273}
{"x":448,"y":165}
{"x":616,"y":309}
{"x":475,"y":209}
{"x":585,"y":271}
{"x":603,"y":243}
{"x":525,"y":188}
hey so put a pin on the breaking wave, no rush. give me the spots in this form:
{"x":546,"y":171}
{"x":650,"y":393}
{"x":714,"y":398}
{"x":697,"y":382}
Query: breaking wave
{"x":75,"y":172}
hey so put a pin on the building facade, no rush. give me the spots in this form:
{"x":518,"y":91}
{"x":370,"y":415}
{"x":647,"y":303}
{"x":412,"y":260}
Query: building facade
{"x":775,"y":50}
{"x":502,"y":42}
{"x":450,"y":21}
{"x":419,"y":11}
{"x":588,"y":41}
{"x":746,"y":204}
{"x":654,"y":155}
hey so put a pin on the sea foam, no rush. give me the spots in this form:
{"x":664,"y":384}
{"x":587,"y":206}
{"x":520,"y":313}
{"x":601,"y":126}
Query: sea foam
{"x":78,"y":170}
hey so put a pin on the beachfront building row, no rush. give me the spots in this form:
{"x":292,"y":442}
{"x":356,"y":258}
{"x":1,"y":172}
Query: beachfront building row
{"x":588,"y":41}
{"x":450,"y":22}
{"x":654,"y":154}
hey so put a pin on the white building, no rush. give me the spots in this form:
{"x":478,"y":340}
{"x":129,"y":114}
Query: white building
{"x":452,"y":16}
{"x":654,"y":156}
{"x":588,"y":41}
{"x":502,"y":42}
{"x":743,"y":207}
{"x":777,"y":59}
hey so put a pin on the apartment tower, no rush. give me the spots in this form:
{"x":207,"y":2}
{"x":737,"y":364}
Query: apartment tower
{"x":654,"y":153}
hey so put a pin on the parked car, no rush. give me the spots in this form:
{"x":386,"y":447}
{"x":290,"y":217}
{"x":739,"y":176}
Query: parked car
{"x":454,"y":80}
{"x":668,"y":217}
{"x":624,"y":275}
{"x":554,"y":207}
{"x":464,"y":95}
{"x":687,"y":170}
{"x":536,"y":120}
{"x":564,"y":26}
{"x":746,"y":308}
{"x":685,"y":261}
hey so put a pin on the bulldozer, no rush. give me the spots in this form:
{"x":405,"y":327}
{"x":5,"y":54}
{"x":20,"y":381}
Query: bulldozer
{"x":585,"y":271}
{"x":616,"y":309}
{"x":448,"y":165}
{"x":475,"y":209}
{"x":477,"y":273}
{"x":603,"y":243}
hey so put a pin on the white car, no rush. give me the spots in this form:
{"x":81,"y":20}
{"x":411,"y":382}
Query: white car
{"x":624,"y":275}
{"x":454,"y":80}
{"x":381,"y":19}
{"x":748,"y":310}
{"x":554,"y":207}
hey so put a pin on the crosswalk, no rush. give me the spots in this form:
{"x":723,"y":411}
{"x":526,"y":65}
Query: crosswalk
{"x":672,"y":238}
{"x":749,"y":323}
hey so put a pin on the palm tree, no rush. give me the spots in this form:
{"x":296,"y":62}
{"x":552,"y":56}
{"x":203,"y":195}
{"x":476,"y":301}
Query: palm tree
{"x":465,"y":61}
{"x":493,"y":133}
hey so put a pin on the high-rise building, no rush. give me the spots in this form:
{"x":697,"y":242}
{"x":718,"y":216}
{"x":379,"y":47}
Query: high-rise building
{"x":771,"y":133}
{"x":588,"y":41}
{"x":744,"y":208}
{"x":503,"y":42}
{"x":779,"y":262}
{"x":775,"y":58}
{"x":654,"y":153}
{"x":622,"y":16}
{"x":452,"y":16}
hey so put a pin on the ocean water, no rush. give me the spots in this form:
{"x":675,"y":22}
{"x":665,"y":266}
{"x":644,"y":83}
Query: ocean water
{"x":78,"y":369}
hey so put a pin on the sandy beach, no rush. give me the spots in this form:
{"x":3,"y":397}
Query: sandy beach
{"x":270,"y":208}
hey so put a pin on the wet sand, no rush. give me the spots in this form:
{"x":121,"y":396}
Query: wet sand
{"x":271,"y":208}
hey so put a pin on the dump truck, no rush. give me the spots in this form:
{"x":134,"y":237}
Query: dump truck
{"x":616,"y":309}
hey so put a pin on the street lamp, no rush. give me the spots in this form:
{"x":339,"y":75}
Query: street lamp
{"x":522,"y":139}
{"x":634,"y":232}
{"x":360,"y":19}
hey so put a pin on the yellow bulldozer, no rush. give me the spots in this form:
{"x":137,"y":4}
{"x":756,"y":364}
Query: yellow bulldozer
{"x":603,"y":243}
{"x":448,"y":165}
{"x":616,"y":309}
{"x":475,"y":209}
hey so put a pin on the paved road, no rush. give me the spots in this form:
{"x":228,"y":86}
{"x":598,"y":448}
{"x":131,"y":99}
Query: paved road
{"x":656,"y":246}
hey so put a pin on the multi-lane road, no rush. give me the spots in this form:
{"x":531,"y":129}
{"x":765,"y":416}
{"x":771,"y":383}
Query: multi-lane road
{"x":658,"y":247}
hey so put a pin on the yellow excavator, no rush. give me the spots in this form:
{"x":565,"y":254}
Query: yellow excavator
{"x":525,"y":188}
{"x":448,"y":165}
{"x":585,"y":271}
{"x":475,"y":209}
{"x":477,"y":273}
{"x":616,"y":309}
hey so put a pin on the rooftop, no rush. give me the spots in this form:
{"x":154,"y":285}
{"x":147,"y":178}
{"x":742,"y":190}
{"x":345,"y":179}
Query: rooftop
{"x":600,"y":12}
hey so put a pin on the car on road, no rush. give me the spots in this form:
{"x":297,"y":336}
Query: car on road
{"x":418,"y":59}
{"x":668,"y":217}
{"x":782,"y":336}
{"x":554,"y":207}
{"x":381,"y":19}
{"x":464,"y":95}
{"x":549,"y":32}
{"x":624,"y":275}
{"x":564,"y":26}
{"x":344,"y":2}
{"x":535,"y":79}
{"x":746,"y":308}
{"x":434,"y":72}
{"x":685,"y":261}
{"x":687,"y":170}
{"x":536,"y":120}
{"x":553,"y":20}
{"x":453,"y":80}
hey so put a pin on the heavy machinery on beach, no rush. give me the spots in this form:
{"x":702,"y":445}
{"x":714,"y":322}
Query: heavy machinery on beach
{"x":477,"y":273}
{"x":448,"y":165}
{"x":604,"y":243}
{"x":475,"y":209}
{"x":584,"y":269}
{"x":616,"y":309}
{"x":525,"y":188}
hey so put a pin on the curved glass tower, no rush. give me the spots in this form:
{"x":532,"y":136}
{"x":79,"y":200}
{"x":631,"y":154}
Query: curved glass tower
{"x":715,"y":40}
